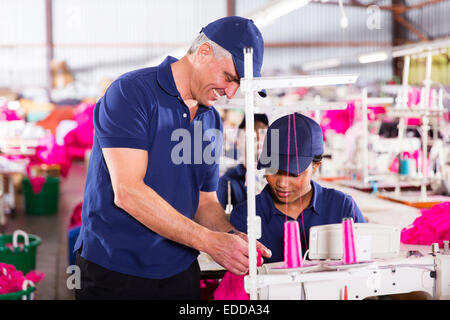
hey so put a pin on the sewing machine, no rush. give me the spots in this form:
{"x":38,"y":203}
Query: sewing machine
{"x":384,"y":268}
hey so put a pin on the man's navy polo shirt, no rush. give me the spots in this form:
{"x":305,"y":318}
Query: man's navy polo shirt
{"x":141,"y":110}
{"x":327,"y":206}
{"x":236,"y":176}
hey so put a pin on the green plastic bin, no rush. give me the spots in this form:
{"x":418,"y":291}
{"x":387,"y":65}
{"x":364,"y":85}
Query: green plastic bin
{"x":24,"y":259}
{"x":46,"y":201}
{"x":26,"y":294}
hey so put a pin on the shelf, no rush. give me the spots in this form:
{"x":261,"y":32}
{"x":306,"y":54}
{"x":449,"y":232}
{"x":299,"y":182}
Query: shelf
{"x":414,"y":199}
{"x":415,"y":112}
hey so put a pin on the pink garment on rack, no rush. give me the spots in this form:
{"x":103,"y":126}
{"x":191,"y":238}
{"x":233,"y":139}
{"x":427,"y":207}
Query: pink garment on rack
{"x":80,"y":139}
{"x":338,"y":120}
{"x":11,"y":280}
{"x":374,"y":112}
{"x":341,"y":120}
{"x":232,"y":286}
{"x":431,"y":227}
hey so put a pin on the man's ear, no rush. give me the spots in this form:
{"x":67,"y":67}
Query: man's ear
{"x":204,"y":50}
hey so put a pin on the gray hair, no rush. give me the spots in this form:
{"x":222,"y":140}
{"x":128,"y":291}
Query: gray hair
{"x":219,"y":52}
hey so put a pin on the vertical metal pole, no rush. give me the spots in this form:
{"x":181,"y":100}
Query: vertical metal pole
{"x":427,"y":80}
{"x":250,"y":157}
{"x":405,"y":81}
{"x":425,"y":127}
{"x":49,"y":44}
{"x":231,"y":8}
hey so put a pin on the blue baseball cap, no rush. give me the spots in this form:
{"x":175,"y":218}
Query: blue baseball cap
{"x":234,"y":34}
{"x":309,"y":143}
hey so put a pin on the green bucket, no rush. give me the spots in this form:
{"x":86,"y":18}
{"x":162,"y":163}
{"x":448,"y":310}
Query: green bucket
{"x":24,"y":259}
{"x":25,"y":294}
{"x":46,"y":201}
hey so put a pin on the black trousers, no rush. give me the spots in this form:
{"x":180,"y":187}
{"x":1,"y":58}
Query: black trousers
{"x":98,"y":283}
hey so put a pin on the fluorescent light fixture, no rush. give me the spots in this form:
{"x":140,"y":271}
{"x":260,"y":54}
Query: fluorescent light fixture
{"x":411,"y":49}
{"x":344,"y":20}
{"x":373,"y":57}
{"x":321,"y":64}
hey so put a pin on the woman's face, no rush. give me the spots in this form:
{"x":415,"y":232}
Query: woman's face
{"x":289,"y":188}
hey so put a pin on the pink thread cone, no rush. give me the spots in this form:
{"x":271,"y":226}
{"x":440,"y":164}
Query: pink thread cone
{"x":292,"y":245}
{"x":348,"y":236}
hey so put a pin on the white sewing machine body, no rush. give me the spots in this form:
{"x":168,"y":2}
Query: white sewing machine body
{"x":388,"y":270}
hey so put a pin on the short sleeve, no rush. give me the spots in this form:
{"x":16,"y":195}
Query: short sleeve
{"x":353,"y":209}
{"x":121,"y":117}
{"x":211,"y":178}
{"x":222,"y":191}
{"x":238,"y":217}
{"x":214,"y":142}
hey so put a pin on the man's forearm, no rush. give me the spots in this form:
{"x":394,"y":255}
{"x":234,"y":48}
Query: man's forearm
{"x":150,"y":209}
{"x":212,"y":216}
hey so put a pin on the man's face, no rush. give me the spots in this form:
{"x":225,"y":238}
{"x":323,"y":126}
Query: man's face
{"x":213,"y":77}
{"x":288,"y":188}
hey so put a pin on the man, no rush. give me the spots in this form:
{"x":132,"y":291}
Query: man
{"x":235,"y":176}
{"x":146,"y":215}
{"x":290,"y":194}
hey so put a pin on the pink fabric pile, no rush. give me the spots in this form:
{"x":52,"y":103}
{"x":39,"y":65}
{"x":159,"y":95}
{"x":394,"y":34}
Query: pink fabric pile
{"x":7,"y":114}
{"x":80,"y":139}
{"x":232,"y":286}
{"x":11,"y":280}
{"x":49,"y":152}
{"x":433,"y":226}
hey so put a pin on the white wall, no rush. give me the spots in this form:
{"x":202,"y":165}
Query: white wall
{"x":86,"y":34}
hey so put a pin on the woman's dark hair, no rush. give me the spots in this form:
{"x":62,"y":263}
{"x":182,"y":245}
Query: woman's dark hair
{"x":317,"y":158}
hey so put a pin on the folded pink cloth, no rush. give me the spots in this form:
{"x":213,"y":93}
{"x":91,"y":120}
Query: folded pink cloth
{"x":232,"y":286}
{"x":37,"y":184}
{"x":433,"y":226}
{"x":11,"y":280}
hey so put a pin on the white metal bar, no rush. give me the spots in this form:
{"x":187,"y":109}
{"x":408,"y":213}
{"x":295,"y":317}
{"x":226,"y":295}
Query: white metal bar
{"x":405,"y":80}
{"x":365,"y":137}
{"x":427,"y":81}
{"x":257,"y":84}
{"x":380,"y":100}
{"x":301,"y":107}
{"x":298,"y":106}
{"x":423,"y":186}
{"x":250,"y":164}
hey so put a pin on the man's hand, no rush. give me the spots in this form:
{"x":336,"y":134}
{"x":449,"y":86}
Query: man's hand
{"x":231,"y":251}
{"x":265,"y":252}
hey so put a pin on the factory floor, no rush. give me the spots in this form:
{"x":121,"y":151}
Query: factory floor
{"x":52,"y":253}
